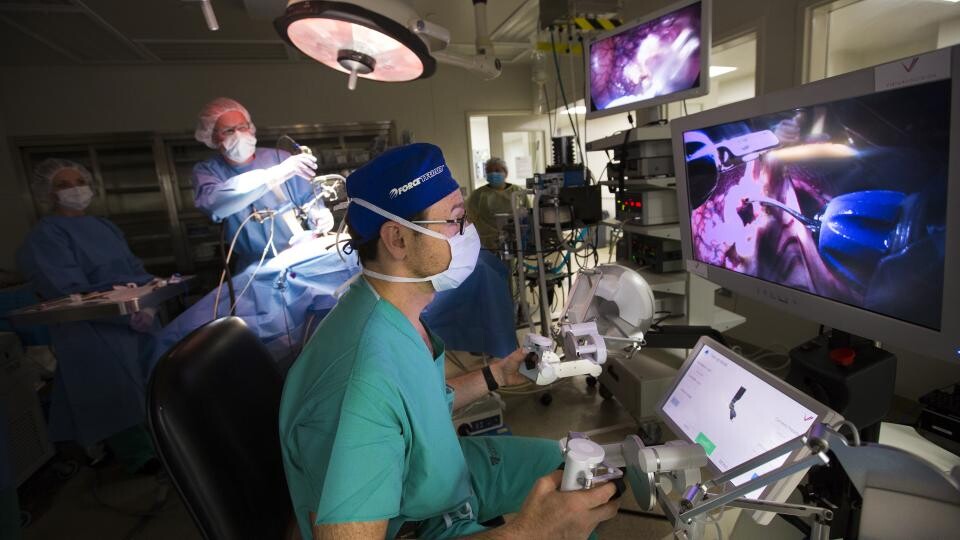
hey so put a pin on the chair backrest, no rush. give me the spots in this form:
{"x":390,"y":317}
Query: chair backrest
{"x":213,"y":411}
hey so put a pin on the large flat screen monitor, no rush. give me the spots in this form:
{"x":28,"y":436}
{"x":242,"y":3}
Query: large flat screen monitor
{"x":737,"y":411}
{"x":658,"y":59}
{"x":838,"y":201}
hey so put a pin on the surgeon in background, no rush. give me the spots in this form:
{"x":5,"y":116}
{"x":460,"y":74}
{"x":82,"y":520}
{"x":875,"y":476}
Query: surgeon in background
{"x":491,"y":199}
{"x":99,"y":391}
{"x":245,"y":178}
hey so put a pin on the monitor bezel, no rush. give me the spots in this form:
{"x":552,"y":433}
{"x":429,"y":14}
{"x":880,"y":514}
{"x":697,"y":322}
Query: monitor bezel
{"x":706,"y":20}
{"x":778,"y":491}
{"x":944,"y":343}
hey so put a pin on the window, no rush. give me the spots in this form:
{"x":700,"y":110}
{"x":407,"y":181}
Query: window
{"x":848,"y":35}
{"x":733,"y":76}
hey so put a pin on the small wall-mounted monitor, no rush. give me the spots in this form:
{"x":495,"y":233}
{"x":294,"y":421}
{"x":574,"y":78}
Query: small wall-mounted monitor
{"x":661,"y":58}
{"x":838,"y":201}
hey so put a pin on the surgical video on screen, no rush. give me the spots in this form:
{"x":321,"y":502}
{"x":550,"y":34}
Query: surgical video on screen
{"x":656,"y":58}
{"x":845,"y":200}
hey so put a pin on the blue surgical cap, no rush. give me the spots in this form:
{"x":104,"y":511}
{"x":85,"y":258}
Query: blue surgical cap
{"x":403,"y":181}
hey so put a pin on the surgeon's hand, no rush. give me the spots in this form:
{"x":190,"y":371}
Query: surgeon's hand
{"x":142,"y":321}
{"x":550,"y":513}
{"x":321,"y":219}
{"x":507,"y":370}
{"x":304,"y":165}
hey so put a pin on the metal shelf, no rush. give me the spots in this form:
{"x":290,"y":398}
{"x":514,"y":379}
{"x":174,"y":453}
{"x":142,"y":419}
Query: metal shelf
{"x":670,"y":231}
{"x":668,"y":282}
{"x":132,"y":189}
{"x":148,"y":237}
{"x":618,"y":139}
{"x":660,"y":183}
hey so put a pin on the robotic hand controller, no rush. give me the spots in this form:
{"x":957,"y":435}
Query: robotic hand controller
{"x":545,"y":366}
{"x":584,"y":465}
{"x":607,"y":303}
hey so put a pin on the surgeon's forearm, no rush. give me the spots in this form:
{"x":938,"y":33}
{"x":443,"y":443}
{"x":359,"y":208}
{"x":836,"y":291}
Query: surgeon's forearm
{"x":234,"y":195}
{"x":472,"y":386}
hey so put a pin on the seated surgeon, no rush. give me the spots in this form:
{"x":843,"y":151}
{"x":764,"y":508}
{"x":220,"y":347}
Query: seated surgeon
{"x":245,"y":178}
{"x":99,"y":390}
{"x":368,"y":444}
{"x":491,"y":199}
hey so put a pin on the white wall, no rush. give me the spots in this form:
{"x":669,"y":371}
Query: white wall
{"x":840,"y":62}
{"x":76,"y":100}
{"x":948,"y":33}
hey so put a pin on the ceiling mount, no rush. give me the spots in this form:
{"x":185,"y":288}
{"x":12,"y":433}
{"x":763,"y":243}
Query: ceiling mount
{"x":381,"y":40}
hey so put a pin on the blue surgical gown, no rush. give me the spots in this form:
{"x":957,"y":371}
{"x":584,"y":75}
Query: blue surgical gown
{"x":230,"y":193}
{"x":100,"y":383}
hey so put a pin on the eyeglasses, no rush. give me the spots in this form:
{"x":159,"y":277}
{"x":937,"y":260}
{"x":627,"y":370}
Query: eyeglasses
{"x":460,"y":221}
{"x":244,"y":127}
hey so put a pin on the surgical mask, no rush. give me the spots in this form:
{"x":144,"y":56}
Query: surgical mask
{"x":496,"y":179}
{"x":75,"y":198}
{"x":464,"y":251}
{"x":239,"y":146}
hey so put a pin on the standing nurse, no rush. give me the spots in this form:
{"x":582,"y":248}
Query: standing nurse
{"x":245,"y":179}
{"x":368,"y":444}
{"x":494,"y":198}
{"x":99,"y":390}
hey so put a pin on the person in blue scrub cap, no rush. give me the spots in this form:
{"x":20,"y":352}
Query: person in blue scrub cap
{"x":492,"y":199}
{"x":99,"y":390}
{"x":368,"y":444}
{"x":245,"y":178}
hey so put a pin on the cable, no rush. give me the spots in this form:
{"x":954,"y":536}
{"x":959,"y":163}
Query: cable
{"x":226,"y":266}
{"x":581,"y":143}
{"x":263,"y":257}
{"x":778,"y":367}
{"x":223,"y":274}
{"x":716,"y":521}
{"x":853,"y":430}
{"x":586,"y":81}
{"x":520,"y":390}
{"x":546,"y":97}
{"x":563,"y":93}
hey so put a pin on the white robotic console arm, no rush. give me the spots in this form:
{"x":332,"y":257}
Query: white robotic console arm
{"x":609,"y":302}
{"x":882,"y":475}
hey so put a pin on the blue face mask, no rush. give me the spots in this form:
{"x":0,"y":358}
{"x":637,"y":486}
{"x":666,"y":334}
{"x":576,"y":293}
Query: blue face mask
{"x":496,"y":178}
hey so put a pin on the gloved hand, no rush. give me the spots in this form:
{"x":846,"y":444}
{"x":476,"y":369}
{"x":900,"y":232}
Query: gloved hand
{"x":320,"y":219}
{"x":304,"y":165}
{"x":142,"y":321}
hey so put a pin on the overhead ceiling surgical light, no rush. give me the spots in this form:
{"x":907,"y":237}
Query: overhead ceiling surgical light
{"x":381,"y":40}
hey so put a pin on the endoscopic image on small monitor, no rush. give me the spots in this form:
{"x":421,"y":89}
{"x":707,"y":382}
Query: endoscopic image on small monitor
{"x":653,"y":59}
{"x":845,"y":200}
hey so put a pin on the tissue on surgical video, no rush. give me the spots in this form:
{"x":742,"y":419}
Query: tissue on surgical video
{"x":845,"y":200}
{"x":656,"y":58}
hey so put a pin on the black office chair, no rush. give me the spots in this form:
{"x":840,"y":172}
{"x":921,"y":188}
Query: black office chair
{"x":213,"y":407}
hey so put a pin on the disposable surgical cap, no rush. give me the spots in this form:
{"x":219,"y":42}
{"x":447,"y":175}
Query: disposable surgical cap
{"x":495,"y":161}
{"x":43,"y":173}
{"x":209,"y":115}
{"x":403,"y":181}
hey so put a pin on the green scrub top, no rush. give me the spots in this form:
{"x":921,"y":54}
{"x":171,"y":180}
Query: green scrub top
{"x":484,"y":203}
{"x":365,"y":424}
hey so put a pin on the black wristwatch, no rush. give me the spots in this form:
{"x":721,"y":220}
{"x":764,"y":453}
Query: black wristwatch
{"x":488,"y":376}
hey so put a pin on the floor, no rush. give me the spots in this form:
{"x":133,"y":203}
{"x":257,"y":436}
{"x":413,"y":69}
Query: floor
{"x":110,"y":504}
